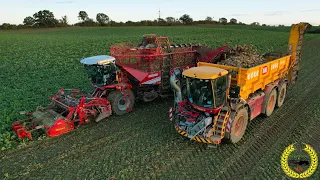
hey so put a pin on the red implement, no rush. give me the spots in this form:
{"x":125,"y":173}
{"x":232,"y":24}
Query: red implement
{"x":69,"y":108}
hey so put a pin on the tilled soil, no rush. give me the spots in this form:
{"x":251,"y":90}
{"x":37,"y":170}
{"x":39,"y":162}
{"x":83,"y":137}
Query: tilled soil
{"x":141,"y":145}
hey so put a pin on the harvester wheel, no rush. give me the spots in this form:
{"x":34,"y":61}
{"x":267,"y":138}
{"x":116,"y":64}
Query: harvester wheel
{"x":239,"y":125}
{"x":120,"y":104}
{"x":270,"y":103}
{"x":281,"y":94}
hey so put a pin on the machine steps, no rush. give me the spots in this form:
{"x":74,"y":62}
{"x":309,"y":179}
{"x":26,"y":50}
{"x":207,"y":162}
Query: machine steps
{"x":219,"y":124}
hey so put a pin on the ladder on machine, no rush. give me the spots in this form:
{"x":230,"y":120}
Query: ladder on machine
{"x":219,"y":123}
{"x":197,"y":129}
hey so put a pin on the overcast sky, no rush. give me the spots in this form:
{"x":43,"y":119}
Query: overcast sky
{"x":263,"y":11}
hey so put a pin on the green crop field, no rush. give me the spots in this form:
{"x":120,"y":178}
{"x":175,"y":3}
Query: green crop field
{"x":35,"y":64}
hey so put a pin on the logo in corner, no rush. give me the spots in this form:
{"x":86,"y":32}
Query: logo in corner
{"x":299,"y":162}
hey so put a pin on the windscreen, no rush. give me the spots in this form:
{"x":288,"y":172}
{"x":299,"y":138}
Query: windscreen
{"x":200,"y":92}
{"x":101,"y":75}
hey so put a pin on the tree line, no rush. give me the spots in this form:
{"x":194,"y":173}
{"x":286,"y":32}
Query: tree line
{"x":46,"y":19}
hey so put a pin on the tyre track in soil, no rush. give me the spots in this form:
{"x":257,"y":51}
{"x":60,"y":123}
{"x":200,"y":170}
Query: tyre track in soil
{"x":255,"y":148}
{"x":34,"y":154}
{"x":84,"y":132}
{"x":225,"y":153}
{"x":269,"y":165}
{"x":35,"y":158}
{"x":31,"y":152}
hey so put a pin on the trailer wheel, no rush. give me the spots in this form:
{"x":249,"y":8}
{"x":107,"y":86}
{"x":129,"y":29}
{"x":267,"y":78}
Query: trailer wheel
{"x":270,"y":103}
{"x":281,"y":94}
{"x":118,"y":105}
{"x":239,"y":125}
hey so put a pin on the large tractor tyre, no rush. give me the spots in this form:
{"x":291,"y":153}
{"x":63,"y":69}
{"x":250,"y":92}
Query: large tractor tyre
{"x":118,"y":104}
{"x":270,"y":103}
{"x":282,"y":92}
{"x":239,"y":125}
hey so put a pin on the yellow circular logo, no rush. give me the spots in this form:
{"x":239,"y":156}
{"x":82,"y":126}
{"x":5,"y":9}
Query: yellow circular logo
{"x":298,"y":163}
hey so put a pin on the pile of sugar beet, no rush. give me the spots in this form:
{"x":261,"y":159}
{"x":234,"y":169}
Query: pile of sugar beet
{"x":245,"y":56}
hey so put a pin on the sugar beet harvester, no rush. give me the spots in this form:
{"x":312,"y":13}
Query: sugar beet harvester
{"x":215,"y":102}
{"x":143,"y":72}
{"x":132,"y":72}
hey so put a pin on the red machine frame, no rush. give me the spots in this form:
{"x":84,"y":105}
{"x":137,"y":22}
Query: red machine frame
{"x":76,"y":116}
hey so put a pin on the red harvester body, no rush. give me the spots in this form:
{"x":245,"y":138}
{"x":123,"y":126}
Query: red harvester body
{"x":144,"y":70}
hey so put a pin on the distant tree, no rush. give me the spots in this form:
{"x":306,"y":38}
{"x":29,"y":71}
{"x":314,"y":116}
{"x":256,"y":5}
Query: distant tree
{"x":5,"y":26}
{"x":113,"y":23}
{"x":63,"y":21}
{"x":90,"y":22}
{"x":233,"y":21}
{"x":209,"y":19}
{"x":223,"y":20}
{"x":161,"y":22}
{"x":263,"y":25}
{"x":45,"y":18}
{"x":130,"y":23}
{"x":8,"y":26}
{"x":83,"y":15}
{"x":102,"y":19}
{"x":186,"y":19}
{"x":255,"y":24}
{"x":29,"y":21}
{"x":170,"y":19}
{"x":155,"y":22}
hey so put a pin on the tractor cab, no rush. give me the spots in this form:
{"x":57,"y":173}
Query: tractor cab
{"x":101,"y":70}
{"x":206,"y":87}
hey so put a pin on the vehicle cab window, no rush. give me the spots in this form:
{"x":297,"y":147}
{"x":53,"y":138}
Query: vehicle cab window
{"x":220,"y":87}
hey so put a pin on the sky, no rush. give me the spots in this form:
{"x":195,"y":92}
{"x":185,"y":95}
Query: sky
{"x":271,"y":12}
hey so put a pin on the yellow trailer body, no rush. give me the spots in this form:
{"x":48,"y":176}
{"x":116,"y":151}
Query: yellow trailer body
{"x":251,"y":79}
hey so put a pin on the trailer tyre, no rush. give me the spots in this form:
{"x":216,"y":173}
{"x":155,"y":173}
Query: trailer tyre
{"x":281,"y":94}
{"x":270,"y":103}
{"x":118,"y":104}
{"x":239,"y":125}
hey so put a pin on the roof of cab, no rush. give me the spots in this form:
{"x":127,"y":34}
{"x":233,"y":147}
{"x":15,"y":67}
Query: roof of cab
{"x":100,"y":60}
{"x":204,"y":72}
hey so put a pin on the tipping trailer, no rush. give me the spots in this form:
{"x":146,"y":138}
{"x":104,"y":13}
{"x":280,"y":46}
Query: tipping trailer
{"x":218,"y":101}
